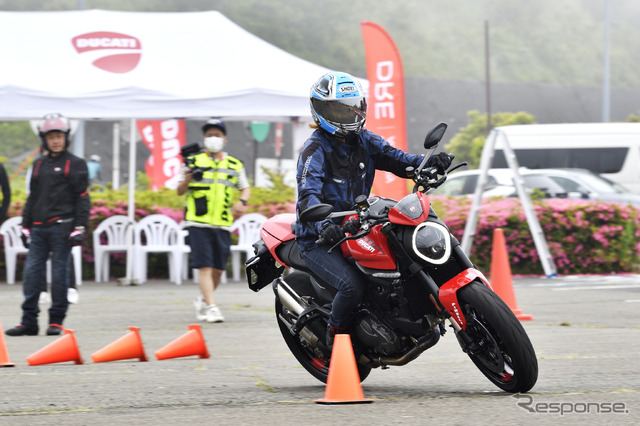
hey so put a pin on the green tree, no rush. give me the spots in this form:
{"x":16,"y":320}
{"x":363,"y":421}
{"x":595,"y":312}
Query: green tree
{"x":468,"y":143}
{"x":16,"y":137}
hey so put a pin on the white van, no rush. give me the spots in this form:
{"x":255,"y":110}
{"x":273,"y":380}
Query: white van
{"x":610,"y":149}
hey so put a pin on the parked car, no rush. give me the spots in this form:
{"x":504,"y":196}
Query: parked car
{"x":499,"y":184}
{"x":554,"y":183}
{"x":588,"y":185}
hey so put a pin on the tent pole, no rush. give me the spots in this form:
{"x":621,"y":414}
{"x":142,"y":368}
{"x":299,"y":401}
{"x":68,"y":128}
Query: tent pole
{"x":116,"y":156}
{"x":131,"y":208}
{"x":78,"y":140}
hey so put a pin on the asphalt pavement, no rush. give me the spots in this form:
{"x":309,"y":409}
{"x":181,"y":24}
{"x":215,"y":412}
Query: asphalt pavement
{"x":585,"y":329}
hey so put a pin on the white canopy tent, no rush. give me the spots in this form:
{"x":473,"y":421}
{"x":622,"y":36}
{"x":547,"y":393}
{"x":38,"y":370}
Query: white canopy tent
{"x":98,"y":64}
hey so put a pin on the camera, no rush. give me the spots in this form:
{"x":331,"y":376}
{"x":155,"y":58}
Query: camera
{"x":188,"y":153}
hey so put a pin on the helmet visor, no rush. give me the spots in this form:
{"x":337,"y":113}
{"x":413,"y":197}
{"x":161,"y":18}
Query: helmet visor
{"x":341,"y":111}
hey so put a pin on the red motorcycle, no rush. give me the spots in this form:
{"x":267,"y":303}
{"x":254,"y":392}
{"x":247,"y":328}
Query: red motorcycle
{"x":418,"y":279}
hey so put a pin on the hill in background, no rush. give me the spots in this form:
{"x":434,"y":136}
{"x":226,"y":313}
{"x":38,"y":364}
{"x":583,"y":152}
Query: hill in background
{"x":545,"y":41}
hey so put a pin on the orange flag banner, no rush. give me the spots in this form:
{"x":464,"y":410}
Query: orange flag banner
{"x":386,"y":111}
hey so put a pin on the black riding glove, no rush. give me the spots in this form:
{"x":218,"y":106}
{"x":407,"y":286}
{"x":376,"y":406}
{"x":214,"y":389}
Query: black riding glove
{"x":441,"y":161}
{"x":76,"y":237}
{"x":25,"y":235}
{"x":352,"y":226}
{"x":331,"y":233}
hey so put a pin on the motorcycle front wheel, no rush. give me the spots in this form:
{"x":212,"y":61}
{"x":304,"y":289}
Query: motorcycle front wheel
{"x":316,"y":365}
{"x":505,"y":354}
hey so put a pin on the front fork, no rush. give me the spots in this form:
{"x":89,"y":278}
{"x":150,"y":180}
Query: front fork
{"x":445,"y":299}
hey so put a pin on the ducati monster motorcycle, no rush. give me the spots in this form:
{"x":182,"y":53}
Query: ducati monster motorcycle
{"x":419,"y":281}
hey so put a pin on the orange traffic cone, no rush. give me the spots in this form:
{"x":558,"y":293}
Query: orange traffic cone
{"x":126,"y":347}
{"x":63,"y":349}
{"x":343,"y":383}
{"x":4,"y":353}
{"x":501,"y":275}
{"x":190,"y":343}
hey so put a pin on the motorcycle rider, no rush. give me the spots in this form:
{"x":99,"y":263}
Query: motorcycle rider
{"x":337,"y":164}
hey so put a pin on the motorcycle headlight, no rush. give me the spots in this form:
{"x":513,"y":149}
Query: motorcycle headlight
{"x":431,"y":242}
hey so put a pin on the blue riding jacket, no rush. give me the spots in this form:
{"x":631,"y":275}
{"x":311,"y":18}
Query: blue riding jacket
{"x":335,"y":172}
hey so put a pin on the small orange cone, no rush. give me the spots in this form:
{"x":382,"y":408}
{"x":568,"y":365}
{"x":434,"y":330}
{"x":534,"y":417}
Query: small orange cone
{"x":63,"y":349}
{"x":126,"y":347}
{"x":190,"y":343}
{"x":343,"y":383}
{"x":501,"y":275}
{"x":4,"y":353}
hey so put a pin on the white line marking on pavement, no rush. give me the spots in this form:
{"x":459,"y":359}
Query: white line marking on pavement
{"x":598,"y":287}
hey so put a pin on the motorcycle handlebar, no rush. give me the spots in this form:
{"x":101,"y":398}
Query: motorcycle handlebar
{"x":321,"y":241}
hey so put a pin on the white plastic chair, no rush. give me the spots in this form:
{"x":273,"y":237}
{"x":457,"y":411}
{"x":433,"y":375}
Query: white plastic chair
{"x":13,"y":246}
{"x":248,"y":228}
{"x":157,"y":233}
{"x":11,"y":232}
{"x":118,"y":233}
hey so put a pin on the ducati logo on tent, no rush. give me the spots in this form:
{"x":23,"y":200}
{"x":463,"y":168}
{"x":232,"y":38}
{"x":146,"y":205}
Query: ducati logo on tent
{"x":113,"y":52}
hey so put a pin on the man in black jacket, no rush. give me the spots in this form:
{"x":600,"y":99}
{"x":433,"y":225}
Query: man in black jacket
{"x":53,"y":221}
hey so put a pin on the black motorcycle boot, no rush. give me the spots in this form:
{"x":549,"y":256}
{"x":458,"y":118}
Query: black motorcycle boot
{"x":22,"y":330}
{"x":54,"y":330}
{"x":331,"y":334}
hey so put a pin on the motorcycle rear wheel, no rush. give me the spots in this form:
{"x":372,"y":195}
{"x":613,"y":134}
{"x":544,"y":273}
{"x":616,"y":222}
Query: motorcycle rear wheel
{"x":506,"y":356}
{"x":317,"y":366}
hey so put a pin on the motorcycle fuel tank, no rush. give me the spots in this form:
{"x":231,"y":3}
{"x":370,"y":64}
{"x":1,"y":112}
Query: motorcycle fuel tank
{"x":371,"y":251}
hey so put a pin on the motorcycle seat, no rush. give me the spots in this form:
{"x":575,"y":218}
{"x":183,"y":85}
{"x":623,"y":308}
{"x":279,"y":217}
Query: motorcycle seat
{"x":290,"y":254}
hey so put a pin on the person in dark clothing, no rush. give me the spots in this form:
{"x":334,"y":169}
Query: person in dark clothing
{"x":6,"y":193}
{"x":72,"y":294}
{"x":53,"y":221}
{"x":337,"y":164}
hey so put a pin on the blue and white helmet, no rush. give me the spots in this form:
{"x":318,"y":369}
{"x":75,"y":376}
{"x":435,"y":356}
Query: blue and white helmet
{"x":338,"y":104}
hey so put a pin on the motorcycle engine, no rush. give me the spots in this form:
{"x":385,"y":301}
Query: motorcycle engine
{"x":381,"y":338}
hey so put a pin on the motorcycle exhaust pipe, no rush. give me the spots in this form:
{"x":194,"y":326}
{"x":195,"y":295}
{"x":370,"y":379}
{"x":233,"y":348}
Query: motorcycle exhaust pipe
{"x":305,"y":333}
{"x":288,"y":297}
{"x":413,"y":353}
{"x":294,"y":303}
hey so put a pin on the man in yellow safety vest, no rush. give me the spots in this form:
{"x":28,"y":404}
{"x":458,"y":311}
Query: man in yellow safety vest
{"x":209,"y":180}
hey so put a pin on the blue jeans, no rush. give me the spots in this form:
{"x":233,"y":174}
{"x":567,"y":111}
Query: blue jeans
{"x":45,"y":240}
{"x":338,"y":273}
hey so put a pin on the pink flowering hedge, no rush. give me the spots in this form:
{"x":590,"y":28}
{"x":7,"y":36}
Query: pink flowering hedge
{"x":106,"y":203}
{"x":583,"y":236}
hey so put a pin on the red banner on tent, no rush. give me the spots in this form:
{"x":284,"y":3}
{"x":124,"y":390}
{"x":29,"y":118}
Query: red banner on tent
{"x":164,"y":139}
{"x":386,"y":115}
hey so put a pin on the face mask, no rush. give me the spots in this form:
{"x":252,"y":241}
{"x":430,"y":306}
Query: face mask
{"x":214,"y":144}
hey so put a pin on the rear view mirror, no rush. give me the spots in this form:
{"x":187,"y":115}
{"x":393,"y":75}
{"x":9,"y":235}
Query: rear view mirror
{"x":316,"y":213}
{"x":435,"y":135}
